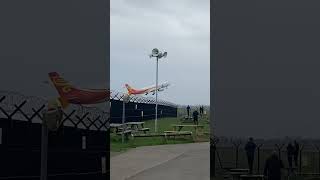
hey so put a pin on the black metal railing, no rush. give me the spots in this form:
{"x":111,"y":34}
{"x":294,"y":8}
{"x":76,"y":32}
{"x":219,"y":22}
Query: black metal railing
{"x":231,"y":154}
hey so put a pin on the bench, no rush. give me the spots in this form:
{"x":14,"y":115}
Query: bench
{"x":145,"y":135}
{"x":174,"y":134}
{"x":144,"y":130}
{"x":116,"y":127}
{"x":164,"y":135}
{"x":126,"y":133}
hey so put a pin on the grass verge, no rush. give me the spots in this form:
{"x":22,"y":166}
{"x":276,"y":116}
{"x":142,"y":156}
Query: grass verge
{"x":164,"y":124}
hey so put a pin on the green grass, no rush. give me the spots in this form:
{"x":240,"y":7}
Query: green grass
{"x":164,"y":124}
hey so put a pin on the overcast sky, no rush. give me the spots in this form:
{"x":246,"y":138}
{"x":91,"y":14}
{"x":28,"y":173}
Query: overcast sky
{"x":36,"y":40}
{"x":180,"y":27}
{"x":266,"y":70}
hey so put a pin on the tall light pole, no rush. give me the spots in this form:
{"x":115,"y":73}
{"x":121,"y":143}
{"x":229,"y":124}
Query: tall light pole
{"x":125,"y":99}
{"x":156,"y":53}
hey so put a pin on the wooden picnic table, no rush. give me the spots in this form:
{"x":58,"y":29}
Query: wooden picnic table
{"x":116,"y":126}
{"x":135,"y":125}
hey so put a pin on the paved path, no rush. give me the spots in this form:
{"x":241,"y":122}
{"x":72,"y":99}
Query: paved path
{"x":183,"y":161}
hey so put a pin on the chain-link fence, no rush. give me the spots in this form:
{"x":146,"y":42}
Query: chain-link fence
{"x":230,"y":153}
{"x":140,"y":99}
{"x":139,"y":108}
{"x":79,"y":149}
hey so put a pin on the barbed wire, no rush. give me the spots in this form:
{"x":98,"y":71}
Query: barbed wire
{"x":13,"y":99}
{"x":149,"y":115}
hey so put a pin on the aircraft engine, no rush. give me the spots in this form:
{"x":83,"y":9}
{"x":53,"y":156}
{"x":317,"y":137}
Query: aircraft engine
{"x":52,"y":117}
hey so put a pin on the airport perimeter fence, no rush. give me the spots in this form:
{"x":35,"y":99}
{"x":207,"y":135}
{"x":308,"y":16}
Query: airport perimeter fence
{"x":228,"y":154}
{"x":139,"y":108}
{"x":78,"y":150}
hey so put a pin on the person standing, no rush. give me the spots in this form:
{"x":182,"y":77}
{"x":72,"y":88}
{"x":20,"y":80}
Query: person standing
{"x":296,"y":153}
{"x":273,"y":166}
{"x":188,"y":110}
{"x":250,"y":149}
{"x":202,"y":110}
{"x":195,"y":117}
{"x":290,"y":153}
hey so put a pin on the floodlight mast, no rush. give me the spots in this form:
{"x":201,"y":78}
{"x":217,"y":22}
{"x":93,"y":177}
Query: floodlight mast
{"x":125,"y":99}
{"x":156,"y":53}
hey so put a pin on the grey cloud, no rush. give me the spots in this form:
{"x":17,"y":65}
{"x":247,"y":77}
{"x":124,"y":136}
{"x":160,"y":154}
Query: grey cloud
{"x":179,"y":27}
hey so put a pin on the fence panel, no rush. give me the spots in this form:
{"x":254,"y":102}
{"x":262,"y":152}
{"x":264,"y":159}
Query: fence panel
{"x":78,"y":150}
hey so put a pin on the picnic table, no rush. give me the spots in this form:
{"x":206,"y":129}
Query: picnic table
{"x":116,"y":126}
{"x":180,"y":126}
{"x":135,"y":125}
{"x":126,"y":133}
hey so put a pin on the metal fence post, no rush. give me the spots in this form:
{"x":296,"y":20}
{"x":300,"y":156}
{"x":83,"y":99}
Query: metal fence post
{"x":237,"y":145}
{"x":212,"y":158}
{"x":319,"y":161}
{"x":44,"y":151}
{"x":318,"y":149}
{"x":300,"y":159}
{"x":279,"y":147}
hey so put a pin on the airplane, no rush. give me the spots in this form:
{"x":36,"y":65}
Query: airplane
{"x":146,"y":90}
{"x":72,"y":95}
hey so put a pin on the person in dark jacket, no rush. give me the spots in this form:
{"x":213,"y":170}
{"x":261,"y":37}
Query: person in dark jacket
{"x":188,"y":110}
{"x":250,"y":149}
{"x":195,"y":117}
{"x":273,"y":166}
{"x":290,"y":153}
{"x":296,"y":153}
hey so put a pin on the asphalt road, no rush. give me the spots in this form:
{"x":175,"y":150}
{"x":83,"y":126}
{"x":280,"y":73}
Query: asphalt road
{"x":193,"y":164}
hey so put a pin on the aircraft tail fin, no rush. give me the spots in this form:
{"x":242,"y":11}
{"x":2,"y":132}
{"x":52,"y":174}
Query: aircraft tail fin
{"x":63,"y":87}
{"x":129,"y":88}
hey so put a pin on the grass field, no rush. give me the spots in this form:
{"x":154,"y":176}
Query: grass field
{"x":164,"y":124}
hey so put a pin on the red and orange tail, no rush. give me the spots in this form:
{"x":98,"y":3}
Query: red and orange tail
{"x":130,"y":89}
{"x":63,"y":87}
